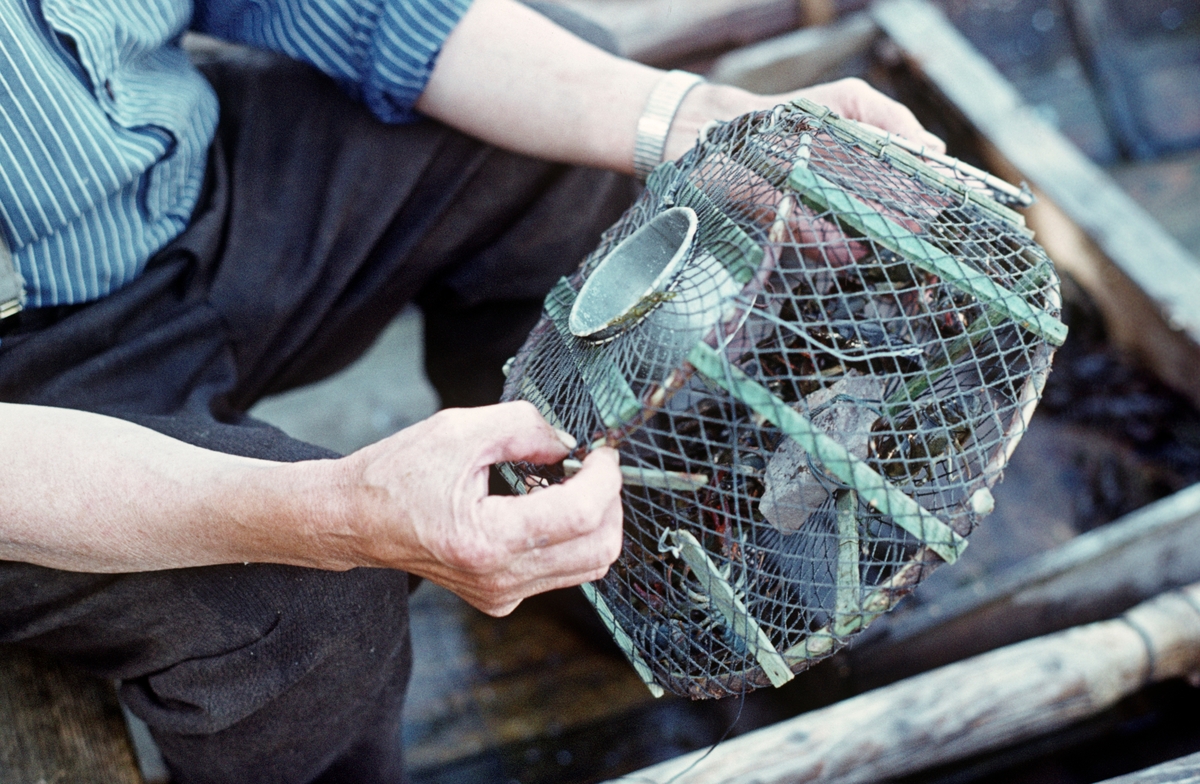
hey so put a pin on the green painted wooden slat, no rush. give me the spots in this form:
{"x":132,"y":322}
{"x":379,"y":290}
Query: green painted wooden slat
{"x":622,"y":638}
{"x":725,"y":599}
{"x":510,"y":476}
{"x":881,"y":494}
{"x":848,"y":604}
{"x":823,"y":195}
{"x":886,"y":149}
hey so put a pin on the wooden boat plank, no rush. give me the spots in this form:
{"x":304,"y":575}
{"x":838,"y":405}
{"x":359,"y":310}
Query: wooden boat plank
{"x":1185,"y":770}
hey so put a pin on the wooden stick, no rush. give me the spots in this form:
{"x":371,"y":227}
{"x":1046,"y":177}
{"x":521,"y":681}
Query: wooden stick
{"x":641,"y":476}
{"x":1021,"y":197}
{"x":848,"y":614}
{"x":1185,"y":770}
{"x":621,"y":637}
{"x":727,"y":602}
{"x":988,"y":702}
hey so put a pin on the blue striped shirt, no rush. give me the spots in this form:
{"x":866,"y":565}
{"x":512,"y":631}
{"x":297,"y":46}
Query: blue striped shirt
{"x":105,"y":125}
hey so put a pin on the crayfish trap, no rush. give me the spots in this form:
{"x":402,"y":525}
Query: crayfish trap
{"x":815,"y":351}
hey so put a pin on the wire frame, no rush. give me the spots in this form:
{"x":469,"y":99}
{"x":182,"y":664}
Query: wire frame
{"x":815,"y":352}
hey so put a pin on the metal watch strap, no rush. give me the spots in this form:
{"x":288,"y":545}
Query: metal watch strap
{"x":655,"y":122}
{"x":12,"y":286}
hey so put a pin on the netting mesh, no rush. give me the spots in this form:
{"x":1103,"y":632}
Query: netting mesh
{"x":814,"y":353}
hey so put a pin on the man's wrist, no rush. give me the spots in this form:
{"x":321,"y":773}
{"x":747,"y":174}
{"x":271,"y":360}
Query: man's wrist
{"x":703,"y":104}
{"x":291,"y":513}
{"x":657,"y":117}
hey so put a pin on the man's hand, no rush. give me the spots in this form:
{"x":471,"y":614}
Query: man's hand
{"x":853,"y":99}
{"x":421,"y":503}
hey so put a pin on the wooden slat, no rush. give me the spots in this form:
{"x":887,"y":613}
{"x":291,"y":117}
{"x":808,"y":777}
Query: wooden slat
{"x":795,"y":59}
{"x":727,"y":602}
{"x":58,"y":724}
{"x":1147,"y":284}
{"x":668,"y":32}
{"x":1169,"y":189}
{"x":1185,"y":770}
{"x":621,"y":637}
{"x":992,"y":701}
{"x":848,"y":611}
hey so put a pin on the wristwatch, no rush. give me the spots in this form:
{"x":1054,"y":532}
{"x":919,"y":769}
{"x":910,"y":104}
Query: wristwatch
{"x":655,"y":122}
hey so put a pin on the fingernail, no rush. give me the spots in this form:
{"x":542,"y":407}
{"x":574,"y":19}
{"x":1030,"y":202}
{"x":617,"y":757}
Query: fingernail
{"x":566,"y":439}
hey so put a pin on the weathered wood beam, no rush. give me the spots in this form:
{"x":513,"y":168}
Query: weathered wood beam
{"x":1145,"y":282}
{"x":1185,"y":770}
{"x":1094,"y":576}
{"x":796,"y":59}
{"x":58,"y":724}
{"x":992,"y":701}
{"x":667,"y":32}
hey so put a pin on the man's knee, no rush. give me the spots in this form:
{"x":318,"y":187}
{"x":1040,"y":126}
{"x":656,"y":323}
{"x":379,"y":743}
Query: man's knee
{"x":314,"y":652}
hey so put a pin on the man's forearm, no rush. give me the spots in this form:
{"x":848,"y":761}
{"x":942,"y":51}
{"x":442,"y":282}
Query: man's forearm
{"x":94,"y":493}
{"x":511,"y":77}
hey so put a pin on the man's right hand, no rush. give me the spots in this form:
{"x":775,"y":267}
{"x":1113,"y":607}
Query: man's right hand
{"x":419,"y":501}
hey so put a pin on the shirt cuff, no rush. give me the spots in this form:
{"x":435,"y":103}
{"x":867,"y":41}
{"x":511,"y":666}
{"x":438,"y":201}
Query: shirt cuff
{"x":407,"y":41}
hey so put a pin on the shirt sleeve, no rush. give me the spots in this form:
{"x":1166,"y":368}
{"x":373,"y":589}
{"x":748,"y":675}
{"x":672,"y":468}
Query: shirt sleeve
{"x":381,"y":51}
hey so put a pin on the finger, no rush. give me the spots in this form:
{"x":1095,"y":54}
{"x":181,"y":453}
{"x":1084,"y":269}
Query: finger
{"x":857,"y":100}
{"x":500,"y":605}
{"x":933,"y":142}
{"x":498,"y":608}
{"x":515,"y":431}
{"x":587,"y":553}
{"x":571,"y":581}
{"x":561,"y":512}
{"x":534,"y":569}
{"x":545,"y":569}
{"x":501,"y":610}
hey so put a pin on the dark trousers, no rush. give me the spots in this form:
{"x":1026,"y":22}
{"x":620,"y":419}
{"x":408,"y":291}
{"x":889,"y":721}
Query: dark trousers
{"x":318,"y":224}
